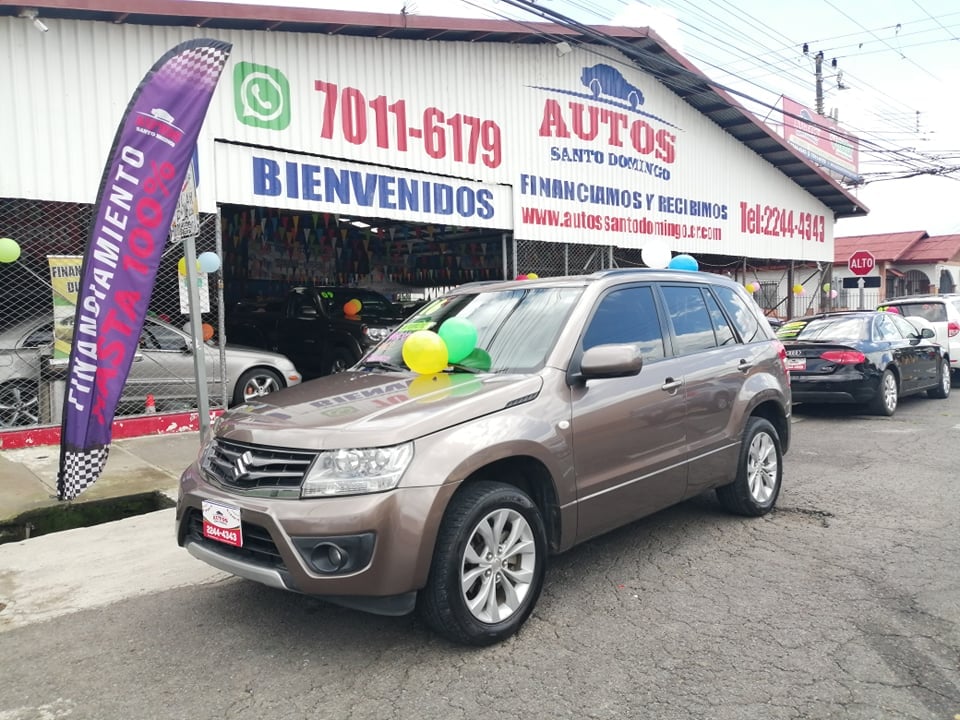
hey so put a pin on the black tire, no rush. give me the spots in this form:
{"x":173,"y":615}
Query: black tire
{"x":256,"y":383}
{"x":944,"y":381}
{"x":515,"y":578}
{"x":755,"y":490}
{"x":19,"y":404}
{"x":342,"y":360}
{"x":888,"y":395}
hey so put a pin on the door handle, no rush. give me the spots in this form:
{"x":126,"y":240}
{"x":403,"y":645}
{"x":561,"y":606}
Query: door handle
{"x":744,"y":366}
{"x":670,"y":385}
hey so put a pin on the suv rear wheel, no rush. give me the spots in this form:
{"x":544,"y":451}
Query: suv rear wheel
{"x":759,"y":472}
{"x":488,"y":565}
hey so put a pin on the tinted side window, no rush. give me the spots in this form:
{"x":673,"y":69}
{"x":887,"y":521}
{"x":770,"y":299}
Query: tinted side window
{"x":163,"y":338}
{"x":725,"y":334}
{"x":907,"y":329}
{"x":690,"y":317}
{"x":887,"y":329}
{"x":741,"y":314}
{"x":628,"y":315}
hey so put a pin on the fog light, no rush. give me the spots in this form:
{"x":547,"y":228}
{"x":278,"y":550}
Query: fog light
{"x":328,"y":557}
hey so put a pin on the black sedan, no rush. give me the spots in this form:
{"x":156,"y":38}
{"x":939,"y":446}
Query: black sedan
{"x":868,"y":357}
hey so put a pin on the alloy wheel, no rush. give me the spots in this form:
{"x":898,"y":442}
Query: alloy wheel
{"x":889,"y":391}
{"x":762,"y":466}
{"x":498,"y":566}
{"x":258,"y":386}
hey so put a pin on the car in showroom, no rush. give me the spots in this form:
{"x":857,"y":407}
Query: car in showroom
{"x":163,"y":367}
{"x":942,"y":312}
{"x":500,"y":424}
{"x":866,"y":358}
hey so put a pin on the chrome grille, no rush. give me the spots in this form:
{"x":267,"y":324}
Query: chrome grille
{"x":246,"y":466}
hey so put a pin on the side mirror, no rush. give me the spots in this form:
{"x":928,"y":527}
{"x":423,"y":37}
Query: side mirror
{"x":610,"y":361}
{"x":927,"y":333}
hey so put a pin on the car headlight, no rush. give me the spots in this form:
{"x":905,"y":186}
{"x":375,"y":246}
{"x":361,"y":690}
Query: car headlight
{"x":356,"y":471}
{"x":377,"y":333}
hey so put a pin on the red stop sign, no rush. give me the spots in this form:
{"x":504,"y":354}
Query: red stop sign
{"x":861,"y":263}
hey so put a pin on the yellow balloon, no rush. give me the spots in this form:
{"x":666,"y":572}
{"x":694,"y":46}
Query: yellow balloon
{"x":425,"y":352}
{"x":430,"y":388}
{"x":182,"y":266}
{"x":798,"y":289}
{"x":532,"y":276}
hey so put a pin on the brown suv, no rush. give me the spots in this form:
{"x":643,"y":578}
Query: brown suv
{"x":586,"y":403}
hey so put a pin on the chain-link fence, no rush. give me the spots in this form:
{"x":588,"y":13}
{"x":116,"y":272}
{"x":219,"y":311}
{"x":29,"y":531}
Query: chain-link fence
{"x":37,"y":300}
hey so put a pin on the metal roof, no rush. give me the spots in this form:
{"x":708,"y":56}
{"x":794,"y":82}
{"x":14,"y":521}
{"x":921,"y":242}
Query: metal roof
{"x":647,"y":50}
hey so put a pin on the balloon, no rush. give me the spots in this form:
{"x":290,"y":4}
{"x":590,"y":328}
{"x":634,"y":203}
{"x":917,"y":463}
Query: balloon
{"x":750,"y":288}
{"x":521,"y":277}
{"x":182,"y":266}
{"x":460,"y":335}
{"x":479,"y":359}
{"x":833,"y":294}
{"x":207,"y":331}
{"x":424,"y":352}
{"x":209,"y":262}
{"x":352,"y":307}
{"x":826,"y":287}
{"x":655,"y":254}
{"x":9,"y":250}
{"x":798,"y":289}
{"x":684,"y":262}
{"x":430,"y":388}
{"x":892,"y":309}
{"x":532,"y":276}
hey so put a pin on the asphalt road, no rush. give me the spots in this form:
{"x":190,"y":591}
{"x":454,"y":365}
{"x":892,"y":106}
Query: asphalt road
{"x":844,"y":603}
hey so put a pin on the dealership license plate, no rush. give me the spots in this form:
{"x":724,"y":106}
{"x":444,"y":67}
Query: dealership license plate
{"x":222,"y":523}
{"x":796,"y":364}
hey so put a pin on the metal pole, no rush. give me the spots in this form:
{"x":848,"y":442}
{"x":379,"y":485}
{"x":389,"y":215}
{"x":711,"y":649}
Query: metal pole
{"x":199,"y":348}
{"x":221,"y":315}
{"x":503,"y":247}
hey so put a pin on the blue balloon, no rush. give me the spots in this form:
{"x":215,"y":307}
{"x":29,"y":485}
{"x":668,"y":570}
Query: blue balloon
{"x":684,"y":262}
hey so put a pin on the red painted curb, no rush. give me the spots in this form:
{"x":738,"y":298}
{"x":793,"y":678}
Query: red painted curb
{"x":159,"y":424}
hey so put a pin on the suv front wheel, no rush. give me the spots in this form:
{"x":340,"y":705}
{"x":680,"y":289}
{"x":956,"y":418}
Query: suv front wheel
{"x":488,"y":565}
{"x":759,"y":472}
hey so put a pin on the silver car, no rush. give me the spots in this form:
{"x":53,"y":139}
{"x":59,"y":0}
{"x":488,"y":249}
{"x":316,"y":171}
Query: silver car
{"x":163,"y":367}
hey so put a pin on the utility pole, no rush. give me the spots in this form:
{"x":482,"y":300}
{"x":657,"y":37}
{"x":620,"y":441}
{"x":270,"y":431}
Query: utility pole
{"x":818,"y":59}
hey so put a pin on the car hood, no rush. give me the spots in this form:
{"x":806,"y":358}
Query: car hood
{"x":364,"y":409}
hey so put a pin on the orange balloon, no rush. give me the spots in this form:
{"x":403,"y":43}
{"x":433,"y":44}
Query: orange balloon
{"x":207,"y":331}
{"x":352,"y":307}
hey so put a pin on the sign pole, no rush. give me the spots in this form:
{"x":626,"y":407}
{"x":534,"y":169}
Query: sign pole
{"x":196,"y":330}
{"x":860,"y":283}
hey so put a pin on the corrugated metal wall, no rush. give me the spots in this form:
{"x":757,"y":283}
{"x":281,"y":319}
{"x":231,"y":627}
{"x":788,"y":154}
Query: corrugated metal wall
{"x":69,"y":88}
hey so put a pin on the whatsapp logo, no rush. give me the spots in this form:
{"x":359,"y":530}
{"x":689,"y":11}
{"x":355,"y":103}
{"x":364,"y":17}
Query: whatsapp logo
{"x":261,"y":96}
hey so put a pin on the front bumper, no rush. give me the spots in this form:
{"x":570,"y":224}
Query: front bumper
{"x":389,"y":537}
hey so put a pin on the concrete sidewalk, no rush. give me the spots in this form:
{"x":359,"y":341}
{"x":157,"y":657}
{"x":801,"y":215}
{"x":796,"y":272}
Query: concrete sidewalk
{"x":28,"y":476}
{"x":107,"y":562}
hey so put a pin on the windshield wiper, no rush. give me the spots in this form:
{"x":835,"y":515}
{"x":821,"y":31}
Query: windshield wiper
{"x":382,"y":365}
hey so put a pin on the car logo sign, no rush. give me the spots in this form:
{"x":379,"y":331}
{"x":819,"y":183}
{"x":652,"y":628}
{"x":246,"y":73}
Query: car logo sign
{"x":241,"y":464}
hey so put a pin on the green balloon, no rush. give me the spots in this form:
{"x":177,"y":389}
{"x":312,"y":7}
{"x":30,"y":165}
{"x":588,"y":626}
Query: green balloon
{"x":9,"y":250}
{"x":460,"y":335}
{"x":479,"y":359}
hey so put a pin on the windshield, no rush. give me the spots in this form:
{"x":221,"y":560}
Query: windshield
{"x":516,"y":328}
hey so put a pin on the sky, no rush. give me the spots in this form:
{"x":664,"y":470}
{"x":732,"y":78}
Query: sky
{"x":894,"y":85}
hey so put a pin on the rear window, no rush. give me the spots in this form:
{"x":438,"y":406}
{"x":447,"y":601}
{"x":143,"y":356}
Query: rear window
{"x":931,"y":311}
{"x":829,"y":329}
{"x":740,"y":312}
